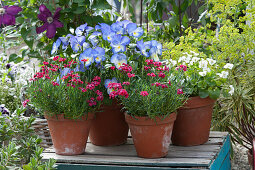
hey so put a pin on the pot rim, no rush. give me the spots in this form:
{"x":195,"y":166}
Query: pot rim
{"x":197,"y":101}
{"x":61,"y":117}
{"x":144,"y":120}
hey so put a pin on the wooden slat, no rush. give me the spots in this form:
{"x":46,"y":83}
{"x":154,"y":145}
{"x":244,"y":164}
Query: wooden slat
{"x":130,"y":151}
{"x":211,"y":141}
{"x":121,"y":160}
{"x":216,"y":134}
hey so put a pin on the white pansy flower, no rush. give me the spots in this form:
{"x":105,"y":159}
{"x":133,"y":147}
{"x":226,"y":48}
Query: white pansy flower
{"x":229,"y":66}
{"x":232,"y":90}
{"x":203,"y":63}
{"x":203,"y":73}
{"x":211,"y":61}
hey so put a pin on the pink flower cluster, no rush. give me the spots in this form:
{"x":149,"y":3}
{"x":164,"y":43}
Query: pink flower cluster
{"x":117,"y":90}
{"x":182,"y":67}
{"x":144,"y":93}
{"x":126,"y":68}
{"x":25,"y":102}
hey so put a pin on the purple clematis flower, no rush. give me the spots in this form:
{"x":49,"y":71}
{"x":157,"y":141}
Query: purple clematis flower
{"x":7,"y":14}
{"x":50,"y":22}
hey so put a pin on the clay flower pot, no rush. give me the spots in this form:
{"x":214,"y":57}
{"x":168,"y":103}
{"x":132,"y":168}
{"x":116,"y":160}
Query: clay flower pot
{"x":69,"y":137}
{"x":109,"y":127}
{"x":250,"y":158}
{"x":151,"y":138}
{"x":193,"y":122}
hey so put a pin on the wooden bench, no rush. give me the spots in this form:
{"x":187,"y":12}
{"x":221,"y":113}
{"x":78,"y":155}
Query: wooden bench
{"x":214,"y":155}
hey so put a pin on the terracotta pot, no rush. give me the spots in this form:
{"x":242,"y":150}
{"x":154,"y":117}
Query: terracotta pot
{"x":109,"y":127}
{"x":151,"y":138}
{"x":193,"y":122}
{"x":69,"y":137}
{"x":250,"y":158}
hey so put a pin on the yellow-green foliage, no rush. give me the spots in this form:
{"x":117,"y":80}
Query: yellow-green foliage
{"x":236,"y":37}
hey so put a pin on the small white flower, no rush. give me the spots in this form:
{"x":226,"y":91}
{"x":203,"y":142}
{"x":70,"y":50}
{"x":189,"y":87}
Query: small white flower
{"x":211,"y":61}
{"x":195,"y":59}
{"x":223,"y":74}
{"x":173,"y":62}
{"x":194,"y":53}
{"x":203,"y":73}
{"x":232,"y":90}
{"x":207,"y":69}
{"x":183,"y":58}
{"x":188,"y":58}
{"x":203,"y":64}
{"x":229,"y":66}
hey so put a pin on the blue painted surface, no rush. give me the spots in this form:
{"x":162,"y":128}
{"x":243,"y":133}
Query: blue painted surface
{"x":223,"y":158}
{"x":226,"y":163}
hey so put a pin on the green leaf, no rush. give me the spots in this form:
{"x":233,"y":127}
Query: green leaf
{"x":184,"y":6}
{"x":185,"y":20}
{"x":203,"y":93}
{"x":79,"y":10}
{"x":101,"y":4}
{"x":15,"y":58}
{"x":20,"y":20}
{"x":27,"y":167}
{"x":215,"y":93}
{"x":29,"y":43}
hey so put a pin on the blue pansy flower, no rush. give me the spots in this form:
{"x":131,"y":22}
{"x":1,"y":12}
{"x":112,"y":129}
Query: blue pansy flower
{"x":80,"y":39}
{"x":144,"y":47}
{"x":88,"y":29}
{"x":85,"y":45}
{"x":93,"y":39}
{"x":80,"y":30}
{"x":87,"y":57}
{"x":158,"y":46}
{"x":154,"y":54}
{"x":107,"y":32}
{"x":119,"y":43}
{"x":134,"y":31}
{"x":99,"y":55}
{"x":107,"y":81}
{"x":64,"y":72}
{"x":55,"y":46}
{"x":64,"y":41}
{"x":125,"y":23}
{"x":105,"y":28}
{"x":119,"y":59}
{"x":97,"y":27}
{"x":118,"y":28}
{"x":75,"y":45}
{"x":80,"y":68}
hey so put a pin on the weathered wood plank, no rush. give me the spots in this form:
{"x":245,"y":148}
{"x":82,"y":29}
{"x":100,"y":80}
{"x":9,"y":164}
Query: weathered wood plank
{"x":217,"y":134}
{"x":121,"y":160}
{"x":129,"y":150}
{"x":117,"y":167}
{"x":211,"y":141}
